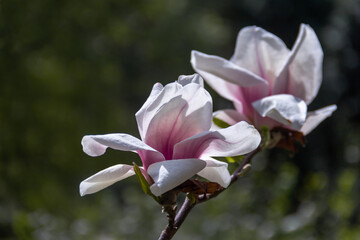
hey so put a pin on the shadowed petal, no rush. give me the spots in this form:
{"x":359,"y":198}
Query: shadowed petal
{"x":105,"y":178}
{"x":169,"y":174}
{"x":305,"y":66}
{"x":187,"y":79}
{"x":216,"y":171}
{"x":284,"y":108}
{"x":230,"y":116}
{"x":235,"y":140}
{"x":96,"y":145}
{"x":314,"y":118}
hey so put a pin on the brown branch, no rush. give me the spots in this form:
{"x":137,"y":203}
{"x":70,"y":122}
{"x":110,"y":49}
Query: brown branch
{"x":171,"y":229}
{"x":175,"y":222}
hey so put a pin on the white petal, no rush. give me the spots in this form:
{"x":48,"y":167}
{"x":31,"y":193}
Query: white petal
{"x":105,"y":178}
{"x":183,"y":116}
{"x":140,"y":115}
{"x":305,"y":70}
{"x":169,"y":174}
{"x":284,"y":108}
{"x":228,"y":80}
{"x":235,"y":140}
{"x":314,"y":118}
{"x":186,"y":79}
{"x":216,"y":171}
{"x":158,"y":97}
{"x":260,"y":52}
{"x":96,"y":145}
{"x":223,"y":69}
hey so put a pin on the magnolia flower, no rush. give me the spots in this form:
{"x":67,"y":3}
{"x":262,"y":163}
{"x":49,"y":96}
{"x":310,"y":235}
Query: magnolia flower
{"x":174,"y":125}
{"x":268,"y":83}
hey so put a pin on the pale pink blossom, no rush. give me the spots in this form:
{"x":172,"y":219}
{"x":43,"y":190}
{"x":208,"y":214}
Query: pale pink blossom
{"x":177,"y":143}
{"x":268,"y":83}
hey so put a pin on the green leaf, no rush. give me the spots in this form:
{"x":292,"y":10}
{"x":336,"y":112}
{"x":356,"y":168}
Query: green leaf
{"x":144,"y":184}
{"x":236,"y":159}
{"x":220,"y":123}
{"x":192,"y":198}
{"x":266,"y":137}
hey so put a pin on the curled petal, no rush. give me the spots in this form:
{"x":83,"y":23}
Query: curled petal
{"x":216,"y":171}
{"x":235,"y":140}
{"x":96,"y":145}
{"x":314,"y":118}
{"x":284,"y":108}
{"x":169,"y":174}
{"x":105,"y":178}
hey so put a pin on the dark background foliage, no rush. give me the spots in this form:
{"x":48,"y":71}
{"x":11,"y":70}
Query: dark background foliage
{"x":71,"y":68}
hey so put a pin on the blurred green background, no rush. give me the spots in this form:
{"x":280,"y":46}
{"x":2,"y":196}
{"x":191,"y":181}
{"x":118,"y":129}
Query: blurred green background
{"x":71,"y":68}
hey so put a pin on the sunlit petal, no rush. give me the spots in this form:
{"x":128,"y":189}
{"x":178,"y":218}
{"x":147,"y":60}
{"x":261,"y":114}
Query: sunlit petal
{"x":169,"y":174}
{"x":260,"y":52}
{"x":183,"y":116}
{"x":284,"y":108}
{"x":105,"y":178}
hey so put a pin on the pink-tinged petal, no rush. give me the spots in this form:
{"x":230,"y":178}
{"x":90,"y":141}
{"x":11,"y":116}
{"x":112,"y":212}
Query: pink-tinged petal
{"x":284,"y":108}
{"x":160,"y":97}
{"x":216,"y":171}
{"x":282,"y":81}
{"x":314,"y":118}
{"x":96,"y":145}
{"x":221,"y":68}
{"x":183,"y":116}
{"x":141,"y":114}
{"x":187,"y":79}
{"x":169,"y":174}
{"x":260,"y":52}
{"x":235,"y":140}
{"x":230,"y":116}
{"x":305,"y":70}
{"x":105,"y":178}
{"x":246,"y":89}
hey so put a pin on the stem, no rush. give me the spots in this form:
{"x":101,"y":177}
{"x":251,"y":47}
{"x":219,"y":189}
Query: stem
{"x":175,"y":222}
{"x":171,"y":229}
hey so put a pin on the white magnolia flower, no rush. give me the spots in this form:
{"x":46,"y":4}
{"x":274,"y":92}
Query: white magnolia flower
{"x":174,"y":125}
{"x":268,"y":83}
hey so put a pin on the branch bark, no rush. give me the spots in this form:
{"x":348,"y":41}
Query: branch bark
{"x":176,"y":221}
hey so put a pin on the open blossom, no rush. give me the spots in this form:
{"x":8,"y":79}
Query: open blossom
{"x":174,"y":125}
{"x":269,"y":84}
